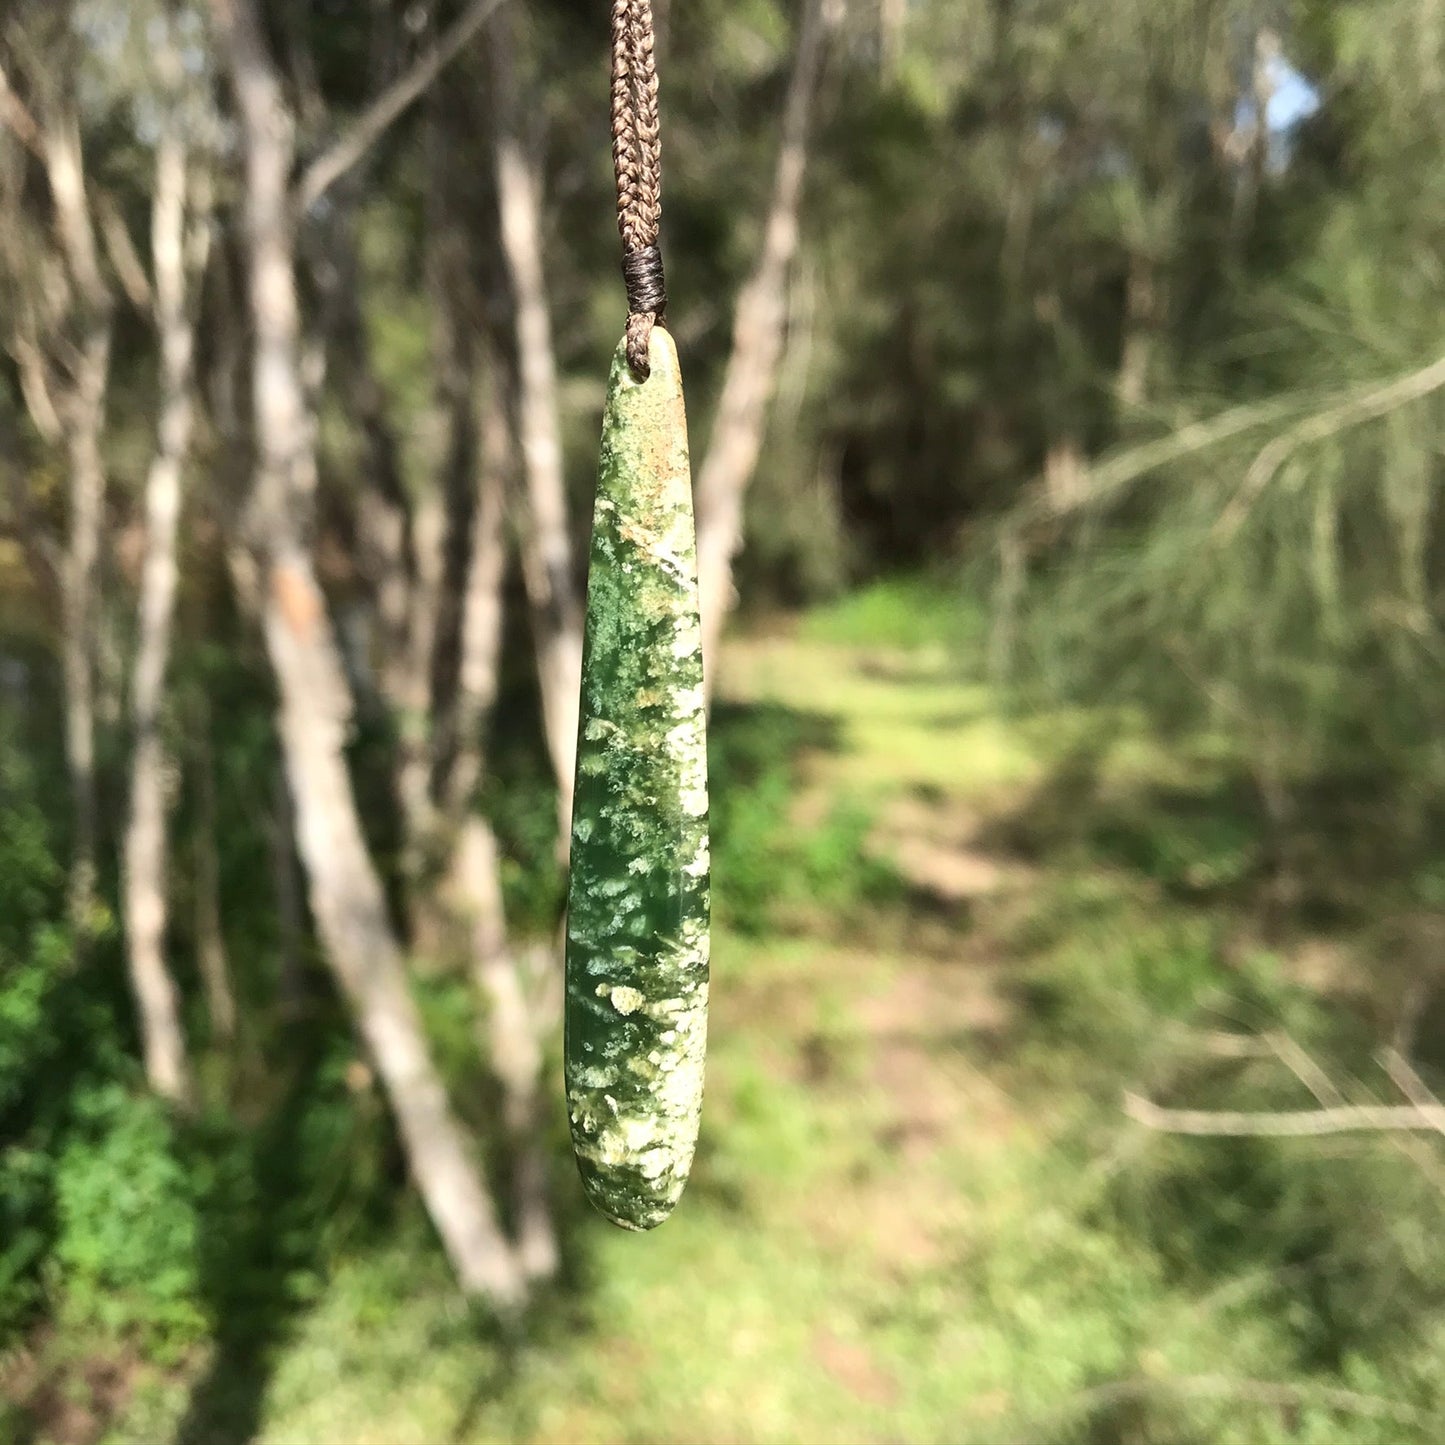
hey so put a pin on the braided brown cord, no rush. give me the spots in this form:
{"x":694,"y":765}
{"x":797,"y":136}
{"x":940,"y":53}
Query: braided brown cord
{"x":637,"y":163}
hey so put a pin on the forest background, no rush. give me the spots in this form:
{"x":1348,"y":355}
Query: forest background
{"x":1065,"y":390}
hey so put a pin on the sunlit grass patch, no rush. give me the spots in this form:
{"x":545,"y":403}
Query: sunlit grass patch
{"x":908,"y":612}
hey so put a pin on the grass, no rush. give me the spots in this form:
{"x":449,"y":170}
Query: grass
{"x":916,"y":1213}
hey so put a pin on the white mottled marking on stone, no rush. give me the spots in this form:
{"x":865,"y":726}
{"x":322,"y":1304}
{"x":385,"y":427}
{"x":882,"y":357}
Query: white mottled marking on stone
{"x":624,"y":999}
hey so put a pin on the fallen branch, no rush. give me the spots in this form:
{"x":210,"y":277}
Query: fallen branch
{"x":343,"y":154}
{"x":1306,"y":1070}
{"x":1402,"y":1073}
{"x":1274,"y":1394}
{"x":1279,"y":1045}
{"x":1286,"y":1124}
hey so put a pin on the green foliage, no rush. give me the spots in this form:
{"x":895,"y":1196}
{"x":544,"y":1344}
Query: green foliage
{"x":1037,"y":252}
{"x":98,"y":1208}
{"x":767,"y":868}
{"x":34,"y":964}
{"x":126,"y":1253}
{"x":1279,"y":585}
{"x":523,"y":811}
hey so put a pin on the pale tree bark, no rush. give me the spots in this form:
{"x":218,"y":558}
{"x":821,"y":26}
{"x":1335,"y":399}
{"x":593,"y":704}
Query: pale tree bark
{"x":290,"y":914}
{"x":1065,"y":472}
{"x":404,"y":550}
{"x":464,"y":713}
{"x":1141,"y":317}
{"x":436,"y":570}
{"x":82,"y":412}
{"x":84,"y":418}
{"x":412,"y":695}
{"x":547,"y":554}
{"x":513,"y":1039}
{"x":315,"y":704}
{"x":514,"y":1024}
{"x":61,"y":340}
{"x":757,"y":345}
{"x":399,"y":546}
{"x":463,"y":648}
{"x":145,"y":863}
{"x":384,"y":528}
{"x":405,"y":90}
{"x":481,"y":461}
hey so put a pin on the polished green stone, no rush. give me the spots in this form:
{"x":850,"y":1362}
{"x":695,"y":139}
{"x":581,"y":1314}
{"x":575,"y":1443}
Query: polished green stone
{"x":637,"y":921}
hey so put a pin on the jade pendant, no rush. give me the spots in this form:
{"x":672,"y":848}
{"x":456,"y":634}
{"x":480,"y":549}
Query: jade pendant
{"x":637,"y":913}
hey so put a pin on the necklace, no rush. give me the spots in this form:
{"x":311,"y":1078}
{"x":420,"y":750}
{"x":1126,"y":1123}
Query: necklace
{"x":637,"y":917}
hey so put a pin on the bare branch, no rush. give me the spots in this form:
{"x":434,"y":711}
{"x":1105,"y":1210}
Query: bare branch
{"x":65,"y":167}
{"x":1287,"y":1124}
{"x":759,"y":322}
{"x":340,"y":157}
{"x":121,"y":249}
{"x":35,"y":384}
{"x":1306,"y":1070}
{"x":1366,"y":405}
{"x":1412,"y":1086}
{"x":1112,"y":474}
{"x":1336,"y":411}
{"x":1226,"y":1045}
{"x":15,"y":116}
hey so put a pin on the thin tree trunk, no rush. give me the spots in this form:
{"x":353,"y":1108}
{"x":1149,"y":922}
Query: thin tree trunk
{"x":383,"y":517}
{"x":514,"y":1025}
{"x":85,"y":417}
{"x":145,"y":864}
{"x":346,"y":895}
{"x":480,"y":463}
{"x":461,"y":721}
{"x":210,"y":938}
{"x":752,"y":369}
{"x":84,"y":421}
{"x":414,"y":674}
{"x":514,"y":1043}
{"x":399,"y":554}
{"x":547,"y":560}
{"x":1065,"y":472}
{"x":350,"y":912}
{"x":467,"y":518}
{"x":290,"y":920}
{"x":1140,"y":329}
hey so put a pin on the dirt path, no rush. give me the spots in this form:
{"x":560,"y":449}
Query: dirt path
{"x":921,"y":751}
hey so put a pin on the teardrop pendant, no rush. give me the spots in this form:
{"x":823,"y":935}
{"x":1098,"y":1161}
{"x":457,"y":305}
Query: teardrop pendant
{"x":637,"y":915}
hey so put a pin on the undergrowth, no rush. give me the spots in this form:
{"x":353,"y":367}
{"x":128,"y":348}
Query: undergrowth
{"x":899,"y":1227}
